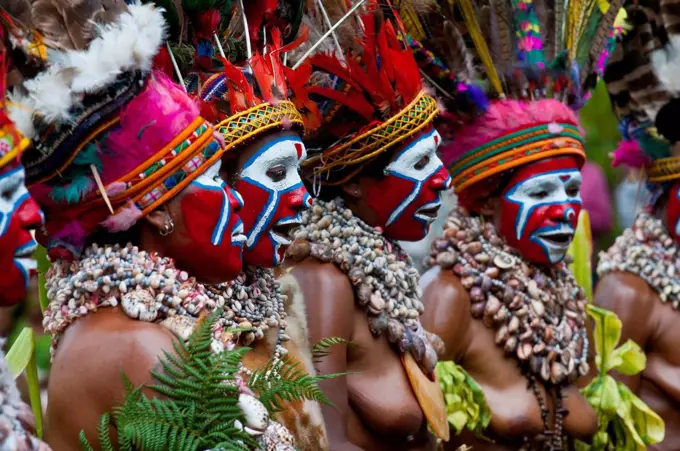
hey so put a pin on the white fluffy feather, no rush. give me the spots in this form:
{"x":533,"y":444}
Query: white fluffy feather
{"x":666,"y":65}
{"x":129,"y":43}
{"x":20,"y":110}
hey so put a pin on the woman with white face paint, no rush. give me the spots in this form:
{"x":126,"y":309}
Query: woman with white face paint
{"x":376,"y":182}
{"x":261,"y":164}
{"x":499,"y":292}
{"x":144,"y":235}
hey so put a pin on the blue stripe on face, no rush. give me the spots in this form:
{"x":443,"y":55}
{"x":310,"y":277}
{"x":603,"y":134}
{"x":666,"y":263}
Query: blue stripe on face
{"x":225,"y":213}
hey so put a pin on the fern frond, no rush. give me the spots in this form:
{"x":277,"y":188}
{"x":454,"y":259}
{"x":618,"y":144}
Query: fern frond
{"x":103,"y":433}
{"x":84,"y":443}
{"x":321,"y":349}
{"x":287,"y":382}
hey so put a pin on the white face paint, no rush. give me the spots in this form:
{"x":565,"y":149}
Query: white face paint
{"x":542,"y":190}
{"x":416,"y":163}
{"x":274,"y":198}
{"x":539,"y":213}
{"x":13,"y":193}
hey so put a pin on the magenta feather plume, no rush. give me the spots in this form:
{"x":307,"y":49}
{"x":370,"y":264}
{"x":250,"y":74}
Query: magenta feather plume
{"x":630,"y":154}
{"x":148,"y":123}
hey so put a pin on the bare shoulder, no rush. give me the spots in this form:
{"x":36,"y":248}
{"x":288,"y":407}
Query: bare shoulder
{"x":447,"y":310}
{"x":329,"y":299}
{"x":85,"y":377}
{"x":97,"y":349}
{"x":624,"y":292}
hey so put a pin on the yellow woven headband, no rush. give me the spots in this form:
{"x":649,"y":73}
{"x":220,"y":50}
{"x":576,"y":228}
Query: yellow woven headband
{"x":362,"y":148}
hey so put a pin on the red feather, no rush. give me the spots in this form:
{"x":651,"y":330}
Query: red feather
{"x":355,"y":103}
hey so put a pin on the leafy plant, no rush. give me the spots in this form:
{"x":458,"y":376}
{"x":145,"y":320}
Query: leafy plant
{"x":625,"y":422}
{"x":321,"y":350}
{"x":199,"y":408}
{"x":581,"y":250}
{"x":465,"y":402}
{"x":20,"y":358}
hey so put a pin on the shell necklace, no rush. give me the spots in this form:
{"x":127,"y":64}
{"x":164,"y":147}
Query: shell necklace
{"x":649,"y":252}
{"x":384,"y":278}
{"x":538,"y":313}
{"x":150,"y":288}
{"x":539,"y":316}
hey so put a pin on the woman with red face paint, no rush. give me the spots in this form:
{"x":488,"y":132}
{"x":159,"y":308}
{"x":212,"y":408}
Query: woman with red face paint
{"x":143,"y":234}
{"x":639,"y":277}
{"x":377,"y":179}
{"x":261,"y":164}
{"x":499,"y":293}
{"x":19,"y":214}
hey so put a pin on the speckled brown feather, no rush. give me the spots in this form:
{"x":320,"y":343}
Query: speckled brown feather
{"x":71,"y":24}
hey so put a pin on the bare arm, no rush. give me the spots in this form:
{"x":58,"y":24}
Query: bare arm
{"x":85,"y":379}
{"x":447,"y":311}
{"x":630,"y":298}
{"x":329,"y":300}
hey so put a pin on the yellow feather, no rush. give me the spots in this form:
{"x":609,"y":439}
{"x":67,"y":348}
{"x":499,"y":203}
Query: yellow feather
{"x":480,"y":44}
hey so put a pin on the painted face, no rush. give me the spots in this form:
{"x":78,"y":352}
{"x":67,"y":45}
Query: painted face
{"x":274,"y":199}
{"x":673,"y":212}
{"x":407,"y":199}
{"x":540,"y":207}
{"x":18,"y":215}
{"x":214,"y":230}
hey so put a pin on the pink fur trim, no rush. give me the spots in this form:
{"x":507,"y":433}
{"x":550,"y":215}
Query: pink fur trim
{"x":126,"y":218}
{"x":115,"y":188}
{"x":219,"y":138}
{"x":503,"y":117}
{"x":630,"y":154}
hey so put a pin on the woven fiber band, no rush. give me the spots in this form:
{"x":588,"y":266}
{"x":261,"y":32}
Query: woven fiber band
{"x":663,"y":170}
{"x":170,"y":170}
{"x":516,"y":149}
{"x":365,"y":146}
{"x":15,"y":143}
{"x":257,"y":120}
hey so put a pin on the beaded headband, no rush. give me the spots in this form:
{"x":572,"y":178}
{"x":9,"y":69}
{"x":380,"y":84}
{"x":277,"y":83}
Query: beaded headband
{"x":516,"y":148}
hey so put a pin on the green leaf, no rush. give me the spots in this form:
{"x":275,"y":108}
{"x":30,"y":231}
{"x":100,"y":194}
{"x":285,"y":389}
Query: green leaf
{"x":466,"y":406}
{"x":34,"y":394}
{"x":19,"y":355}
{"x":646,"y":421}
{"x":321,"y":350}
{"x":607,"y":334}
{"x":627,"y":359}
{"x":581,"y":250}
{"x":44,"y":264}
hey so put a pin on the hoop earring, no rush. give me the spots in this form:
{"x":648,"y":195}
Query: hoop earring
{"x":168,"y":227}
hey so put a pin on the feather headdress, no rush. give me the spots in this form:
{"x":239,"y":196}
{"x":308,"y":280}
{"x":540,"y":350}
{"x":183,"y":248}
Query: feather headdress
{"x":370,"y":101}
{"x":252,"y":96}
{"x":536,"y":61}
{"x":111,"y":140}
{"x":643,"y":79}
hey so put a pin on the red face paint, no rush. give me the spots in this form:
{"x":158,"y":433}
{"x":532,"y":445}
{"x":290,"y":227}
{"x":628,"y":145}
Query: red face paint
{"x":673,"y":212}
{"x":540,"y":207}
{"x":214,"y":229}
{"x":18,"y":215}
{"x":274,"y":199}
{"x":408,"y":198}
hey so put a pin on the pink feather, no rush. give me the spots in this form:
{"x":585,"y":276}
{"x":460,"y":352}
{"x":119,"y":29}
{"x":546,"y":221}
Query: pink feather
{"x":126,"y":218}
{"x":630,"y":154}
{"x":149,"y":122}
{"x":115,"y":188}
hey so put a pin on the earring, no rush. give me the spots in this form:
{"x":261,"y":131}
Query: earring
{"x":168,"y":227}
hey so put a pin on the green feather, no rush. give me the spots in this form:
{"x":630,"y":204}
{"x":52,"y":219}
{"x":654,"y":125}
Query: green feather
{"x":73,"y":192}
